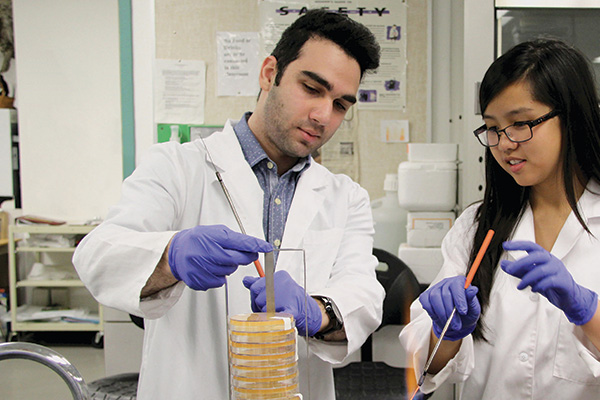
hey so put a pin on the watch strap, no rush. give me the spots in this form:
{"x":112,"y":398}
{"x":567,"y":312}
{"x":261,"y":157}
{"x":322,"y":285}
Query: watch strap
{"x":335,"y":322}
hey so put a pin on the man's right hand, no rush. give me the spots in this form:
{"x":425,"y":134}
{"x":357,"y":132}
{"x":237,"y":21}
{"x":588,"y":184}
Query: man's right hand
{"x":204,"y":255}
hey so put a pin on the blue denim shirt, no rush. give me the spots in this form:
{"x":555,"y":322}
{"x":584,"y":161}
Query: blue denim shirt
{"x":278,"y":190}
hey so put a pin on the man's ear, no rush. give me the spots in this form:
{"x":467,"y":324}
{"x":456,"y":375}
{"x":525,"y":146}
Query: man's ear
{"x":268,"y":71}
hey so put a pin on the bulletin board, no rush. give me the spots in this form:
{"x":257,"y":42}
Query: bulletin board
{"x":187,"y":30}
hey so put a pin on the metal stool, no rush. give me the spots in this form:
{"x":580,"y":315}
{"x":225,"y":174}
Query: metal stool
{"x":122,"y":387}
{"x":52,"y":360}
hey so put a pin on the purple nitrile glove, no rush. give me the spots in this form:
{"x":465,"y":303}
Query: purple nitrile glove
{"x":548,"y":276}
{"x":439,"y":301}
{"x":289,"y":298}
{"x":204,"y":255}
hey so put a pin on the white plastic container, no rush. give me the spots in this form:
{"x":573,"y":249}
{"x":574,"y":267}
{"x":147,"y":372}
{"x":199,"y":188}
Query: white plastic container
{"x":425,"y":262}
{"x":427,"y":186}
{"x":174,"y":134}
{"x":389,"y":217}
{"x":432,"y":152}
{"x":427,"y":229}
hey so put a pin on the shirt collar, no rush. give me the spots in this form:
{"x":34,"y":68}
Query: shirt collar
{"x":253,"y":151}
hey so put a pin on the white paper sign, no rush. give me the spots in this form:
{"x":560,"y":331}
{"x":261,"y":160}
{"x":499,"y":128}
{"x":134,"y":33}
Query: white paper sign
{"x":384,"y":89}
{"x":395,"y":130}
{"x":238,"y":63}
{"x":180,"y":87}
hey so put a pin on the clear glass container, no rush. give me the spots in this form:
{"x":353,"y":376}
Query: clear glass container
{"x":263,"y":357}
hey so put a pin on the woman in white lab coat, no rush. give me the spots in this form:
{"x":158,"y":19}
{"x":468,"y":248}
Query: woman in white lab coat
{"x":529,"y":326}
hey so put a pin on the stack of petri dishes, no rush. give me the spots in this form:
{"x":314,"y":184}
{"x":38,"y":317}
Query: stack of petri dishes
{"x":263,"y":357}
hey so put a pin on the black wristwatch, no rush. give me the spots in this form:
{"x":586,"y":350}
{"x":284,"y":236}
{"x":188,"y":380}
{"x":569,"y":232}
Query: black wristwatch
{"x":335,"y":317}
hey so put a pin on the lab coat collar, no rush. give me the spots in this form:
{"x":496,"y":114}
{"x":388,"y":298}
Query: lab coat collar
{"x":589,"y":207}
{"x":589,"y":200}
{"x":239,"y":178}
{"x":308,"y":199}
{"x":244,"y":188}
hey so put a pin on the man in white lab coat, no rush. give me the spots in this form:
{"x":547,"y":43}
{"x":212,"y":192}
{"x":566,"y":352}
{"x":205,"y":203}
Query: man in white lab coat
{"x":166,"y":249}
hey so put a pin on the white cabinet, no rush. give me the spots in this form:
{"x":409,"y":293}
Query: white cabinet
{"x":60,"y":299}
{"x":123,"y":343}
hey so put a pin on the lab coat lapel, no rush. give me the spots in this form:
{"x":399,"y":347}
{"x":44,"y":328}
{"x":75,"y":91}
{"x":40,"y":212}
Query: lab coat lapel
{"x":572,"y":230}
{"x":307,"y":201}
{"x":523,"y":231}
{"x":239,"y":179}
{"x":568,"y":236}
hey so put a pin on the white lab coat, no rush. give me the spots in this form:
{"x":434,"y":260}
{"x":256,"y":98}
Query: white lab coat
{"x":185,"y":339}
{"x":534,"y":352}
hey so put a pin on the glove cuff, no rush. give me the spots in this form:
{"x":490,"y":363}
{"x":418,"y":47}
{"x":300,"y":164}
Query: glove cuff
{"x":453,"y":335}
{"x":586,"y":311}
{"x":171,"y":256}
{"x":314,"y":316}
{"x":311,"y":323}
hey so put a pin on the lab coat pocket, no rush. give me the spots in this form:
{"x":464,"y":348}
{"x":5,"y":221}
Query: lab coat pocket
{"x":574,"y":361}
{"x":321,"y":248}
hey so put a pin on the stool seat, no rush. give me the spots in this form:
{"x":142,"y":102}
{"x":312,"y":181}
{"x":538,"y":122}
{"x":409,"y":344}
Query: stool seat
{"x":116,"y":387}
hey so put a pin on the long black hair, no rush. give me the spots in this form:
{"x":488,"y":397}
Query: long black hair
{"x":561,"y":77}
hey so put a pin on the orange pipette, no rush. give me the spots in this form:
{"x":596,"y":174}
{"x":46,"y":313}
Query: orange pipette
{"x":470,"y":275}
{"x":259,"y":269}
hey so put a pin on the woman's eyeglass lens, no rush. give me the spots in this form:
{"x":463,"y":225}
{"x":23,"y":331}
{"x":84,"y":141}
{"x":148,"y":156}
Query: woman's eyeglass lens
{"x":518,"y":132}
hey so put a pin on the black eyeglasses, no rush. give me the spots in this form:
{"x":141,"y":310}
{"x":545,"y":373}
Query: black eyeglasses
{"x":518,"y":132}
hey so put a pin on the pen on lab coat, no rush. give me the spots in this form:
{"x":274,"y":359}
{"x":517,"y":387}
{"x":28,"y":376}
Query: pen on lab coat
{"x":259,"y":269}
{"x":470,"y":275}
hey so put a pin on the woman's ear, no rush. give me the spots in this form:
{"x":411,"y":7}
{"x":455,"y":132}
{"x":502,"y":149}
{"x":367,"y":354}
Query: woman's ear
{"x":268,"y":71}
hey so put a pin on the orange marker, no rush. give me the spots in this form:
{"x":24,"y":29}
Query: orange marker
{"x":470,"y":275}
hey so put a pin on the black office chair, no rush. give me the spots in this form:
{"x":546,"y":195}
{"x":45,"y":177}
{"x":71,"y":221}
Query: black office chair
{"x":368,"y":379}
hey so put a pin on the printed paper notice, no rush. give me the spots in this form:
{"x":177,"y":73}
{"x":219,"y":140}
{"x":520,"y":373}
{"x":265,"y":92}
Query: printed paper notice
{"x":237,"y":63}
{"x":180,"y":87}
{"x":340,"y":153}
{"x":384,"y":89}
{"x":394,"y":131}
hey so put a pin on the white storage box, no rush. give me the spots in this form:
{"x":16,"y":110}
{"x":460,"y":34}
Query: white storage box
{"x":432,"y":152}
{"x":427,"y":186}
{"x":424,"y":262}
{"x":427,"y":229}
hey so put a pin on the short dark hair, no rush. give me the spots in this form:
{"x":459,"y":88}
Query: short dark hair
{"x":353,"y":37}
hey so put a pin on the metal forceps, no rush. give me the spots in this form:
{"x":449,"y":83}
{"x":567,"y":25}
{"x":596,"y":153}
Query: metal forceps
{"x":259,"y":268}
